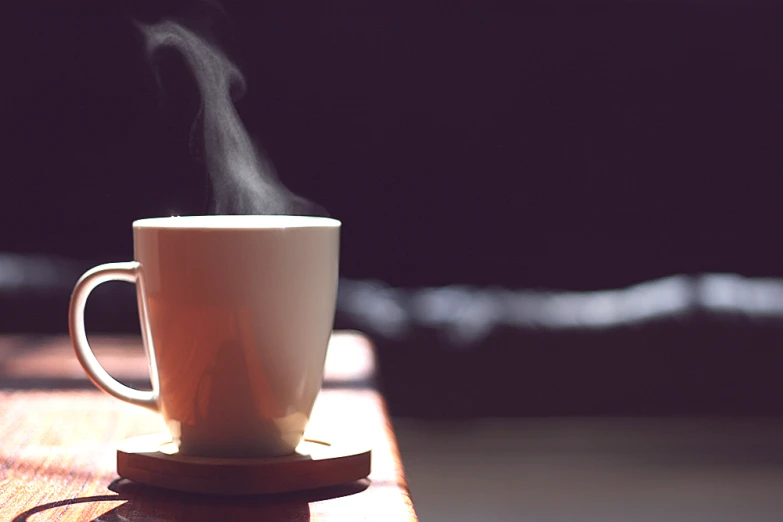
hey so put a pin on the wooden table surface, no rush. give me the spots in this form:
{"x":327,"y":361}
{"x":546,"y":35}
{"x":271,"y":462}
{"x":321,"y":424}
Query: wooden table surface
{"x":58,"y":436}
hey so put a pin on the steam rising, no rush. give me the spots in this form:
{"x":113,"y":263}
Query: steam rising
{"x":243,"y":181}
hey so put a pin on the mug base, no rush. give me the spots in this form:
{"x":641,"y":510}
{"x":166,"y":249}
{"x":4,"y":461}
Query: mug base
{"x":237,"y":451}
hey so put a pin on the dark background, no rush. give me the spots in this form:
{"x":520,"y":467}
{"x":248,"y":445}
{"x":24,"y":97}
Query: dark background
{"x":552,"y":145}
{"x":558,"y":145}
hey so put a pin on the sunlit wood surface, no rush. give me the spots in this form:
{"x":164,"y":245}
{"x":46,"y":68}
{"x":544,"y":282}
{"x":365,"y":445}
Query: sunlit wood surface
{"x":58,"y":436}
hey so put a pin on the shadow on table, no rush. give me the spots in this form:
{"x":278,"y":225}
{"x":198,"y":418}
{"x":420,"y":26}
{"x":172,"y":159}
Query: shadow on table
{"x":143,"y":503}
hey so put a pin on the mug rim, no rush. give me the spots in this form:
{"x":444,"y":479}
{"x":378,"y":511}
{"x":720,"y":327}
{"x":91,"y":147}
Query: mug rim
{"x":236,"y":222}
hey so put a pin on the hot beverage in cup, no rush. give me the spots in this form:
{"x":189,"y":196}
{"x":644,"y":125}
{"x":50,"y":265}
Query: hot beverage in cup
{"x":236,"y":314}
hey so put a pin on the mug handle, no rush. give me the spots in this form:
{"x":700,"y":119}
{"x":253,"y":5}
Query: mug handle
{"x":130,"y":273}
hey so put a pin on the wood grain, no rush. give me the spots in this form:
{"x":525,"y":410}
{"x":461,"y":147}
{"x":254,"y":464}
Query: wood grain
{"x":58,"y":459}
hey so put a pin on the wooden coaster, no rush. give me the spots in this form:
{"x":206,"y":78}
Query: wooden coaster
{"x":154,"y":460}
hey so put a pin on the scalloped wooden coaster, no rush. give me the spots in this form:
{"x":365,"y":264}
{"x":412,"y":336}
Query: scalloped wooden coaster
{"x":153,"y":460}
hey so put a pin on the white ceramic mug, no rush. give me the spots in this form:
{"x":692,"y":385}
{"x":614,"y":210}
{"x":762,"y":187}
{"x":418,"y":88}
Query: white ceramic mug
{"x":236,"y":314}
